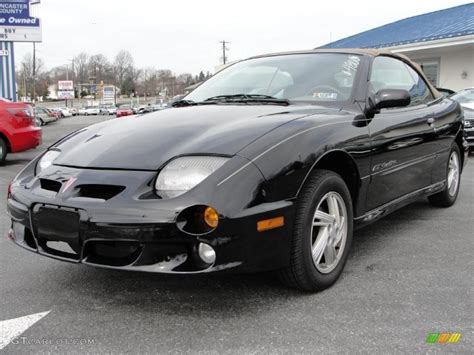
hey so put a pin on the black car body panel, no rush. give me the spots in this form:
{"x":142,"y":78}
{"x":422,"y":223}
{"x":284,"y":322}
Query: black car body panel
{"x":103,"y":181}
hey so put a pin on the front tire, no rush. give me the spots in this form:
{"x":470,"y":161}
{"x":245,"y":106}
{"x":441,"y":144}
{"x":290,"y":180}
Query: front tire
{"x":3,"y":150}
{"x":448,"y":196}
{"x":322,"y":233}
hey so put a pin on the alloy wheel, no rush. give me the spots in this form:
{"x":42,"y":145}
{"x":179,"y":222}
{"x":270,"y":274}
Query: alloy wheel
{"x":453,"y":173}
{"x":329,"y":232}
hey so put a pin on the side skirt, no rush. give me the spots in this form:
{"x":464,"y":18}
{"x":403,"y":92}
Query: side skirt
{"x":396,"y":204}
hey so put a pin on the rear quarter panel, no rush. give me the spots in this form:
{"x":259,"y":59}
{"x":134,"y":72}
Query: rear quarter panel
{"x":448,"y":116}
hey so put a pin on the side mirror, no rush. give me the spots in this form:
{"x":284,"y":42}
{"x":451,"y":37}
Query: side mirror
{"x":388,"y":98}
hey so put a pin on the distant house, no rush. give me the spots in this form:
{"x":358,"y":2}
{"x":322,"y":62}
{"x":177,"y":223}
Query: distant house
{"x":442,"y":42}
{"x":53,"y":92}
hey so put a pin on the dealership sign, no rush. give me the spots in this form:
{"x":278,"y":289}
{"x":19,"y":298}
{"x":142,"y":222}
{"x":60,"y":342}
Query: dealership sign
{"x":65,"y":89}
{"x":16,"y":24}
{"x":108,"y":94}
{"x":65,"y":85}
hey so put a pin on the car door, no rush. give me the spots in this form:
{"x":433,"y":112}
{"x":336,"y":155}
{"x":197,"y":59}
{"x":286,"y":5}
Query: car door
{"x":402,"y":138}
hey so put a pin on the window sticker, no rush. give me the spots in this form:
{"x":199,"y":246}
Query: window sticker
{"x":349,"y":67}
{"x":325,"y":95}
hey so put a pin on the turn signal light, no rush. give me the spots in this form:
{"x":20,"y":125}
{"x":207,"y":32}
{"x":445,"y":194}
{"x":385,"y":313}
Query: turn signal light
{"x":211,"y":217}
{"x":271,"y":223}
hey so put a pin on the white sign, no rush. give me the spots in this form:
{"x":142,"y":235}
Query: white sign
{"x":66,"y":95}
{"x":15,"y":34}
{"x":16,"y":23}
{"x":4,"y":53}
{"x":65,"y":85}
{"x":108,"y":94}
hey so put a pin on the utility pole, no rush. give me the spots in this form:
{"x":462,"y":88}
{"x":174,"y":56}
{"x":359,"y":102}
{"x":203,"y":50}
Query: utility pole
{"x":144,"y":87}
{"x":34,"y":72}
{"x":224,"y":50}
{"x":25,"y":92}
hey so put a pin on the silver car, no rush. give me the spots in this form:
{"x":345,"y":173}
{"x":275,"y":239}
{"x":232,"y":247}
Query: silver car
{"x":44,"y":116}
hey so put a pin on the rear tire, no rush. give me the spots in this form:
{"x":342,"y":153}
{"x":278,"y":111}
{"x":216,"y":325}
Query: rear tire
{"x":3,"y":150}
{"x":322,"y":233}
{"x":448,"y":196}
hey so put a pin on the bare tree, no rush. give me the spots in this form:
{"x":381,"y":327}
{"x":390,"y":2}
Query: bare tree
{"x":121,"y":72}
{"x":99,"y":68}
{"x":26,"y":78}
{"x":81,"y":67}
{"x":123,"y":67}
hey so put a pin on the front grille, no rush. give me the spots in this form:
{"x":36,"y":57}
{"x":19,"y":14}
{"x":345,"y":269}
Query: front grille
{"x":113,"y":253}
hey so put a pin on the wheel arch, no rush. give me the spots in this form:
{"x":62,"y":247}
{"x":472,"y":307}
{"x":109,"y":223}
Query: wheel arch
{"x":340,"y":162}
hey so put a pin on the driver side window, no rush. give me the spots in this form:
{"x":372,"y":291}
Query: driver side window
{"x":391,"y":73}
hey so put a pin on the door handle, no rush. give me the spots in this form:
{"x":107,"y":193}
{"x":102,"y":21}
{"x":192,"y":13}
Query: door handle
{"x":430,"y":121}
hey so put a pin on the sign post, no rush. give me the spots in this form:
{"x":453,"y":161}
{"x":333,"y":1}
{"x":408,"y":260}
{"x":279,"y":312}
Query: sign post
{"x":16,"y":25}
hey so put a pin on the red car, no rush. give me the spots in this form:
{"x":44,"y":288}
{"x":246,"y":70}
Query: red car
{"x":18,"y":130}
{"x":124,"y":110}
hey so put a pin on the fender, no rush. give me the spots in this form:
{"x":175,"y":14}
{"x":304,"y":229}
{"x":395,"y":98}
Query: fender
{"x":312,"y":144}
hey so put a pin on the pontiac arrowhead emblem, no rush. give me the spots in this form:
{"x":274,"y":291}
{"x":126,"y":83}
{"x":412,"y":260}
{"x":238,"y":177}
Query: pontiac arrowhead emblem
{"x":68,"y":184}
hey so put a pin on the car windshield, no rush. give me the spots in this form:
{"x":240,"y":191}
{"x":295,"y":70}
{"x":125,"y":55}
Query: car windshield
{"x":313,"y":77}
{"x":125,"y":107}
{"x":464,"y":96}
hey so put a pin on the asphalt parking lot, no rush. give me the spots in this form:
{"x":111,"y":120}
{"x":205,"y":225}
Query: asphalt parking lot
{"x":408,"y":275}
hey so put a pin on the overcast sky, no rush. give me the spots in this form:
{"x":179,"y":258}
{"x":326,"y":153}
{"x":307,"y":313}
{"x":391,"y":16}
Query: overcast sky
{"x":184,"y":35}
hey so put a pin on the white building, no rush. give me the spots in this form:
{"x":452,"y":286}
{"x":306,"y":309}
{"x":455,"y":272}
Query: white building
{"x":442,"y":42}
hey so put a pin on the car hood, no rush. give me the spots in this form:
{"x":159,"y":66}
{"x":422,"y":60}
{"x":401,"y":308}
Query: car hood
{"x":147,"y":142}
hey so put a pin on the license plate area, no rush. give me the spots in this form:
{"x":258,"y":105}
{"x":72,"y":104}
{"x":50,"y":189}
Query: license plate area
{"x":54,"y":223}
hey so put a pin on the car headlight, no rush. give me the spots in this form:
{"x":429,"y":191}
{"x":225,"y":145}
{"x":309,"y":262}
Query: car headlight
{"x":184,"y":173}
{"x":47,"y":160}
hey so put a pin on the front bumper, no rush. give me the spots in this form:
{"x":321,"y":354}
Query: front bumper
{"x":133,"y":231}
{"x":469,"y":136}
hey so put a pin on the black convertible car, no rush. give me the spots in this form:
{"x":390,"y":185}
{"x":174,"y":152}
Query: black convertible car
{"x":268,"y":165}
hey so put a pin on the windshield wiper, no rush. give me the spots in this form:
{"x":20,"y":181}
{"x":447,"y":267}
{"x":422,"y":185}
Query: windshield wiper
{"x":248,"y":98}
{"x":184,"y":103}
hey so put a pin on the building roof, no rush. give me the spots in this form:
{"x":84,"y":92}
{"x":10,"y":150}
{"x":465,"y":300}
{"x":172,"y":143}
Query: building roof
{"x":448,"y":23}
